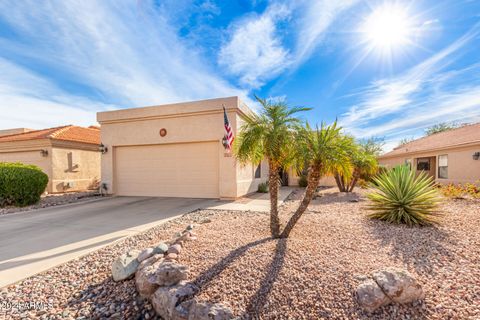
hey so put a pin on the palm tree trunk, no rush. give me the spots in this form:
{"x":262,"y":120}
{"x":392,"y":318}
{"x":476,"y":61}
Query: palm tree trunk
{"x":313,"y":179}
{"x":340,"y":182}
{"x":273,"y":185}
{"x":352,"y":184}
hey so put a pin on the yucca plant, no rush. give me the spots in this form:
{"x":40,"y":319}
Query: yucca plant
{"x":399,"y":196}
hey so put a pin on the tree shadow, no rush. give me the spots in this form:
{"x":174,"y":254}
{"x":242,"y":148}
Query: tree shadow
{"x":422,"y":248}
{"x":337,"y":197}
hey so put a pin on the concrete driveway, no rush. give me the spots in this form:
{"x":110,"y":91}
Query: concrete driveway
{"x":35,"y":241}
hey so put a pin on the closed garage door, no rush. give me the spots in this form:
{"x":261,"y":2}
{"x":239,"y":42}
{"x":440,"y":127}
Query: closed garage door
{"x":174,"y":170}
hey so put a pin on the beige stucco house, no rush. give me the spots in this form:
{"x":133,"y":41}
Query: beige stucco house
{"x":450,"y":157}
{"x":69,"y":155}
{"x":175,"y":150}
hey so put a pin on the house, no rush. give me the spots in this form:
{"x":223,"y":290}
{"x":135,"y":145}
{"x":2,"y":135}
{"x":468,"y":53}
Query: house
{"x":175,"y":150}
{"x":69,"y":155}
{"x":449,"y":157}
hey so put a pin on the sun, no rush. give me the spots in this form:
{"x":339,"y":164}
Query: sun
{"x":387,"y":27}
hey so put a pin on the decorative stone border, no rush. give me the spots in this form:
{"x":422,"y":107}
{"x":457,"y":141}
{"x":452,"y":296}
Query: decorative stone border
{"x":162,"y":280}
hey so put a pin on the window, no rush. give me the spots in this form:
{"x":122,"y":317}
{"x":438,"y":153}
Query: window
{"x":423,"y":164}
{"x":258,"y":171}
{"x":443,"y":166}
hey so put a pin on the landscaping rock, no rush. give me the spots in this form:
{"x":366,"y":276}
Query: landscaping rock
{"x":186,"y":236}
{"x":144,"y":280}
{"x":171,"y":256}
{"x":161,"y":248}
{"x":176,"y":249}
{"x":170,"y":273}
{"x":209,"y":311}
{"x":399,"y":285}
{"x":370,"y":296}
{"x":150,"y":261}
{"x":145,"y":254}
{"x":190,"y":227}
{"x":125,"y":266}
{"x":165,"y":300}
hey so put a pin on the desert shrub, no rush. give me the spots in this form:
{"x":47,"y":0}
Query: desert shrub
{"x":459,"y":191}
{"x":399,"y":196}
{"x":263,"y":187}
{"x":302,"y":181}
{"x":362,"y":183}
{"x":20,"y":184}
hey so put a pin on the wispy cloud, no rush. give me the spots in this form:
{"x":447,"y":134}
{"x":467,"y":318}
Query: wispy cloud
{"x":123,"y":51}
{"x":424,"y":95}
{"x":254,"y":50}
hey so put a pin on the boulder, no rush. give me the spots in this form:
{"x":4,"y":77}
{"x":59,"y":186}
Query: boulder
{"x":399,"y":285}
{"x":150,"y":261}
{"x":144,"y":280}
{"x":370,"y":296}
{"x":170,"y":273}
{"x":171,"y":256}
{"x":161,"y":248}
{"x":125,"y":266}
{"x":166,"y":299}
{"x":145,"y":254}
{"x":209,"y":311}
{"x":176,"y":249}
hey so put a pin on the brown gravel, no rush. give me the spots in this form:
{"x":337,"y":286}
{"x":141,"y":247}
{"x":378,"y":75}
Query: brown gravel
{"x":54,"y":200}
{"x":312,"y":275}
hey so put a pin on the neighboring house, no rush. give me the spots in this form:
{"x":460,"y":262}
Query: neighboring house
{"x":69,"y":155}
{"x":175,"y":150}
{"x":451,"y":156}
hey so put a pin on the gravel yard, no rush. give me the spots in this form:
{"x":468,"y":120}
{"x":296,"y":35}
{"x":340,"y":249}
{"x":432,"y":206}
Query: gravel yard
{"x":53,"y":200}
{"x":312,"y":275}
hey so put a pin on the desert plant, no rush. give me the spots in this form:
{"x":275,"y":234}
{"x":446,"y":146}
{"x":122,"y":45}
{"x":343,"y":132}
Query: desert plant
{"x":302,"y":181}
{"x":322,"y":150}
{"x":20,"y":184}
{"x":399,"y":196}
{"x":269,"y":135}
{"x":263,"y":187}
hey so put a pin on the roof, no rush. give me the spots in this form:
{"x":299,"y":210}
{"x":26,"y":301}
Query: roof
{"x":469,"y":134}
{"x":64,"y":133}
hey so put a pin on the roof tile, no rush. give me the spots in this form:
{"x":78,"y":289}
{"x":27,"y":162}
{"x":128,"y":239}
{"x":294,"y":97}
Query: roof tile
{"x":65,"y":133}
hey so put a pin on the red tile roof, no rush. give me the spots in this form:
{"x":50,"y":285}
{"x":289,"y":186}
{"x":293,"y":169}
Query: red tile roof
{"x":65,"y":133}
{"x":452,"y":138}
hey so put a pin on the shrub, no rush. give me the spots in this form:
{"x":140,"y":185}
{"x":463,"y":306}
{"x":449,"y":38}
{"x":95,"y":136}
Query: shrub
{"x":459,"y":191}
{"x":263,"y":187}
{"x":20,"y":184}
{"x":401,"y":197}
{"x":302,"y":181}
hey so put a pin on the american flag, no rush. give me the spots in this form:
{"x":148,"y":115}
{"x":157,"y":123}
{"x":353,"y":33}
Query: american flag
{"x":228,"y":131}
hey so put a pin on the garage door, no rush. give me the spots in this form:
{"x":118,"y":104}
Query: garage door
{"x":175,"y":170}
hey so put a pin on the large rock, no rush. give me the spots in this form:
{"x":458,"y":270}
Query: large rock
{"x":125,"y":266}
{"x":169,"y":273}
{"x":150,"y":261}
{"x":176,"y":249}
{"x":144,"y":280}
{"x":399,"y":285}
{"x":145,"y":254}
{"x":370,"y":296}
{"x":161,"y":248}
{"x":209,"y":311}
{"x":166,"y":299}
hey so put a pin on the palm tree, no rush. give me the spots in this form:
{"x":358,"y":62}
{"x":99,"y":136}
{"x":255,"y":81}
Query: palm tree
{"x":269,"y":135}
{"x":323,"y":150}
{"x":364,"y":164}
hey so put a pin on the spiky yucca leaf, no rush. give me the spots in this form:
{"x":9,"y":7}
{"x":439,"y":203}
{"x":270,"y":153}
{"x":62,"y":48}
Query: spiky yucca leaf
{"x":399,"y":196}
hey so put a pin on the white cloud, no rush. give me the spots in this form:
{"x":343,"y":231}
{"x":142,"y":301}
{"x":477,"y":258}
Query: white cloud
{"x":254,"y":51}
{"x":124,"y":50}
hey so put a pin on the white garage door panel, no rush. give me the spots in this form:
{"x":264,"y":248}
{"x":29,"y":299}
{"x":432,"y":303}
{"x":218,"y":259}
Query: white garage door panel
{"x":174,"y":170}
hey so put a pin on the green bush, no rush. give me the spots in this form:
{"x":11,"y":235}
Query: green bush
{"x":401,"y":197}
{"x":302,"y":181}
{"x":263,"y":187}
{"x":20,"y":184}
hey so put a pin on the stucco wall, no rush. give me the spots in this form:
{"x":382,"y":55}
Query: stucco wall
{"x":74,"y":169}
{"x":461,"y":166}
{"x":28,"y":152}
{"x":198,"y":121}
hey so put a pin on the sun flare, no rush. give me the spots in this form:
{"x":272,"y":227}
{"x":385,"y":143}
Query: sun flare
{"x":387,"y":27}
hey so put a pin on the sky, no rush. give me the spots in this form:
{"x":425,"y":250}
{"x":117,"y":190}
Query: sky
{"x":385,"y":69}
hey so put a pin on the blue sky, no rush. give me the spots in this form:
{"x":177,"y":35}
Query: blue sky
{"x":62,"y":61}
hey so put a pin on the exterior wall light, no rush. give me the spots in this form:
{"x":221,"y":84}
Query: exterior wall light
{"x":44,"y":152}
{"x":102,"y":148}
{"x":476,"y":156}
